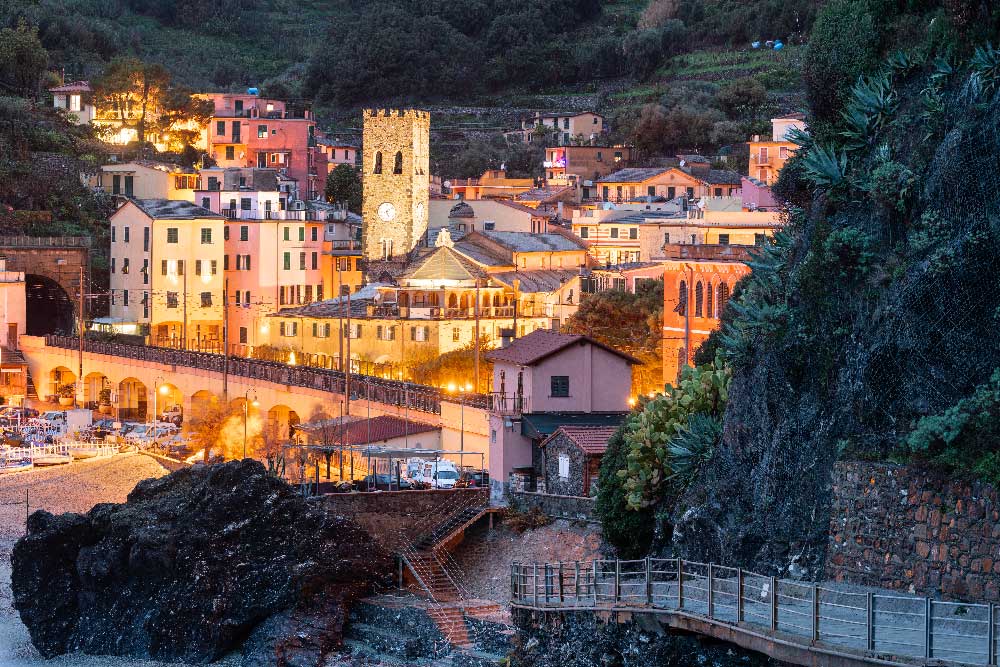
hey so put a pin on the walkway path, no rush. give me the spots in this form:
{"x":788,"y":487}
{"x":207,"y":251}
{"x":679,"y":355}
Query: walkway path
{"x":874,"y":628}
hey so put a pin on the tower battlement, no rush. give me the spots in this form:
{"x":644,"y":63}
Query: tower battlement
{"x":397,"y":113}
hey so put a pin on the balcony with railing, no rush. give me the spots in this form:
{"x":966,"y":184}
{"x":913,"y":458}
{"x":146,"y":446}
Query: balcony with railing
{"x":345,"y":247}
{"x":507,"y":404}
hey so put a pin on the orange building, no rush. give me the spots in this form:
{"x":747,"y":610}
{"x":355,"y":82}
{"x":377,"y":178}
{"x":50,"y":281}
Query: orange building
{"x":493,"y":184}
{"x":695,"y":293}
{"x":767,"y":157}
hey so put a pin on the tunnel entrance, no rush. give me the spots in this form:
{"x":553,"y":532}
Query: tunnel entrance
{"x":48,"y":308}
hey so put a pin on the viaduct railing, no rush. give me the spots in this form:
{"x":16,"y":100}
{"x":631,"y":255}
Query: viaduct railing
{"x":420,"y":398}
{"x":44,"y":241}
{"x":882,"y":627}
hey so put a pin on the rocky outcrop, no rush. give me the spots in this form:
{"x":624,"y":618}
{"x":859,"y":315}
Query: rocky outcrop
{"x":881,"y":311}
{"x":194,"y":566}
{"x":580,"y":639}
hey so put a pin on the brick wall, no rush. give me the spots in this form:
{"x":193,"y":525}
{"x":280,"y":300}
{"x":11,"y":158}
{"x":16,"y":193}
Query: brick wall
{"x":906,"y":528}
{"x":390,"y":515}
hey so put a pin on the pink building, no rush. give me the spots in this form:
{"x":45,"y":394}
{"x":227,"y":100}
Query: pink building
{"x":274,"y":248}
{"x":757,"y":196}
{"x":545,"y":380}
{"x":338,"y":152}
{"x":249,"y":131}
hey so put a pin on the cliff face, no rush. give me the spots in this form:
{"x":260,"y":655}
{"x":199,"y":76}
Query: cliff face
{"x":881,"y":308}
{"x":193,"y":566}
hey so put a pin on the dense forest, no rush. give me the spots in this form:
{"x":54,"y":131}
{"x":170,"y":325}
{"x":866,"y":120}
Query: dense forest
{"x":351,"y":52}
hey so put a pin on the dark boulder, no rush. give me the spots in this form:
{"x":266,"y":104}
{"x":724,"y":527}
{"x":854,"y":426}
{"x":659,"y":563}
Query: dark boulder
{"x":193,"y":566}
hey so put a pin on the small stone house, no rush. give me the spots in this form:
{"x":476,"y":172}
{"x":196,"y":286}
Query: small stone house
{"x":571,"y":459}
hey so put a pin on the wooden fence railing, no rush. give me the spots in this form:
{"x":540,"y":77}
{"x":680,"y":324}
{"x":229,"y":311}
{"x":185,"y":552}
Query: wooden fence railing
{"x":899,"y":626}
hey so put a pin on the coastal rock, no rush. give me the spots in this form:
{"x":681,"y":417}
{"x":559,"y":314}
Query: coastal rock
{"x":194,"y":566}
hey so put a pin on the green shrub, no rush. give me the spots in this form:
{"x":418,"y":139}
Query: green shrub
{"x":629,"y":531}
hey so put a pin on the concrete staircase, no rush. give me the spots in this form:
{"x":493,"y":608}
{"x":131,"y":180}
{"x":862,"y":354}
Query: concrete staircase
{"x":450,"y":620}
{"x":435,"y":580}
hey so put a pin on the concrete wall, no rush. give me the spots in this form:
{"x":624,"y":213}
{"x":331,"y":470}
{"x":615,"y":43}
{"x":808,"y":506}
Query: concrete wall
{"x":910,"y":529}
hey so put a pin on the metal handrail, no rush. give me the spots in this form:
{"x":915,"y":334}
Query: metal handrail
{"x":965,"y":633}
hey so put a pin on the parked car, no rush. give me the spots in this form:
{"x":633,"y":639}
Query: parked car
{"x":476,"y":479}
{"x":381,"y":482}
{"x":173,"y":415}
{"x":149,"y":433}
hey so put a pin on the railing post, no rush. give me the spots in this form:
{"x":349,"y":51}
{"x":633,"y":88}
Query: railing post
{"x":561,"y":598}
{"x":534,"y":582}
{"x":576,"y":582}
{"x":815,"y":613}
{"x":991,"y":633}
{"x":928,"y":628}
{"x":739,"y":595}
{"x":774,"y":604}
{"x":545,"y":581}
{"x":594,"y":584}
{"x":710,"y":592}
{"x":870,"y":621}
{"x":618,"y":581}
{"x":680,"y":583}
{"x":649,"y":582}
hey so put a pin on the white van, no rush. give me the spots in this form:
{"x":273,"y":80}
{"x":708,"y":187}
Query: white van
{"x":439,"y":474}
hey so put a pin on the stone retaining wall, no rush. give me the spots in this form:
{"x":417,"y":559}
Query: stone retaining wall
{"x":906,"y":528}
{"x":576,"y":508}
{"x":388,"y":515}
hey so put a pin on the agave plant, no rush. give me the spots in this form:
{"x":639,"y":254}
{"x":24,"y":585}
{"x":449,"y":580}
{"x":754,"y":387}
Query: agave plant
{"x":985,"y":76}
{"x":692,"y":447}
{"x":872,"y":104}
{"x":901,"y":60}
{"x":825,"y":167}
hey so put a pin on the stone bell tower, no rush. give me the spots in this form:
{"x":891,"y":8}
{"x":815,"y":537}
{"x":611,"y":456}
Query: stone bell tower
{"x":396,"y":166}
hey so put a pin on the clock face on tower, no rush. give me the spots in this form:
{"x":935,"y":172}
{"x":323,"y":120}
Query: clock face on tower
{"x":386,"y":211}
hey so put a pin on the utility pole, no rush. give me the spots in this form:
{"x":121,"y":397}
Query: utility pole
{"x":347,"y":372}
{"x":475,"y":336}
{"x":225,"y":351}
{"x":184,"y":324}
{"x":79,"y":376}
{"x":340,"y":315}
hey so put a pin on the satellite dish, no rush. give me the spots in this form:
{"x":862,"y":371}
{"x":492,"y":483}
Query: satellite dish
{"x":683,"y":162}
{"x":447,"y":184}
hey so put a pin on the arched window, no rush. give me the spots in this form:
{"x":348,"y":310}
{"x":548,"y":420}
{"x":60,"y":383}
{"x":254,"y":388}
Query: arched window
{"x":699,"y":297}
{"x":397,"y":167}
{"x":709,"y":301}
{"x":723,"y":293}
{"x":378,"y":163}
{"x":452,"y":300}
{"x":682,"y":298}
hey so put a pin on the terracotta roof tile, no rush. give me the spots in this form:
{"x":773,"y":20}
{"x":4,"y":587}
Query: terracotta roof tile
{"x":541,"y":343}
{"x":590,"y":439}
{"x":374,"y":430}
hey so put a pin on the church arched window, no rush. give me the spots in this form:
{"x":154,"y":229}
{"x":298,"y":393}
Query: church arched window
{"x":397,"y":167}
{"x":378,"y":163}
{"x":699,"y":297}
{"x":682,"y":297}
{"x":723,"y":297}
{"x":709,"y":301}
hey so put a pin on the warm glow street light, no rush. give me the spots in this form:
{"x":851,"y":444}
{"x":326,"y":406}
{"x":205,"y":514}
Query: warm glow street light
{"x":246,"y":415}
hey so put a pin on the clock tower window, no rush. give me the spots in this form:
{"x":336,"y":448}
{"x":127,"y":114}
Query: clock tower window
{"x":397,"y":168}
{"x":378,"y":163}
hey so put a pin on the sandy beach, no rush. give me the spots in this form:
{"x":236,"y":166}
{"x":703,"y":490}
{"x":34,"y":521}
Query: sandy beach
{"x":72,"y":488}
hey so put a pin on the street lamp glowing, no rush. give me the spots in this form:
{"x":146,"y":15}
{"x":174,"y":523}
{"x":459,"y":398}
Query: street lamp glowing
{"x":291,"y":359}
{"x":255,"y":403}
{"x":164,"y":389}
{"x":451,"y":387}
{"x":631,"y":402}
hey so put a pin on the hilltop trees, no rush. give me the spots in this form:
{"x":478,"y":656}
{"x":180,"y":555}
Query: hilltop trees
{"x":143,"y":97}
{"x":22,"y":60}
